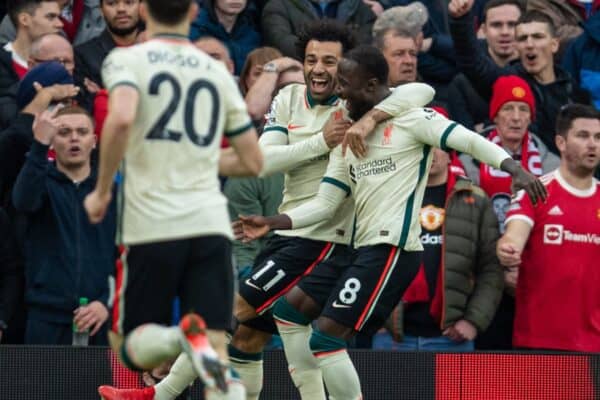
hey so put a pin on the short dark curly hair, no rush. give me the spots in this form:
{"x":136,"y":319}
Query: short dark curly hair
{"x":325,"y":30}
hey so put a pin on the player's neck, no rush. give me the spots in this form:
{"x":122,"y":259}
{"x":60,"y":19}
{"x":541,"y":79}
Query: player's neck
{"x":381,"y":93}
{"x":154,"y":28}
{"x":578,"y":181}
{"x":75,"y":174}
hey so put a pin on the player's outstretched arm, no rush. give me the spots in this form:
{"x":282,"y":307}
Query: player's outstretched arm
{"x":403,"y":98}
{"x":244,"y":158}
{"x":122,"y":105}
{"x":322,"y":207}
{"x":462,"y":139}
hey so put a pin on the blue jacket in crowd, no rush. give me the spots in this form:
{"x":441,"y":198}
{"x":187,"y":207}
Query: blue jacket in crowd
{"x":243,"y":38}
{"x":66,"y":257}
{"x":582,"y":58}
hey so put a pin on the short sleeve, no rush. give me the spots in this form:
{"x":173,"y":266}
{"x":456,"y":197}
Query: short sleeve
{"x":521,"y":208}
{"x":117,"y":70}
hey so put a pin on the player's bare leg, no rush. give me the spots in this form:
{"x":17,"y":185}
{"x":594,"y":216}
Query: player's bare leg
{"x":293,"y":315}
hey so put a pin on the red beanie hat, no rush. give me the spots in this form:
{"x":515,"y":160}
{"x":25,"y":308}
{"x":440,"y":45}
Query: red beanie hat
{"x":511,"y":88}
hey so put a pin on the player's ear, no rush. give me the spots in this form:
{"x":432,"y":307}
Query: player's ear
{"x":560,"y":140}
{"x":143,"y":11}
{"x":193,"y":12}
{"x":372,"y":84}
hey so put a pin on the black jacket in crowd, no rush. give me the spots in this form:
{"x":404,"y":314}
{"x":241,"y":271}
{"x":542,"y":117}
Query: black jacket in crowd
{"x":88,"y":64}
{"x":11,"y":271}
{"x":482,"y":72}
{"x":9,"y":81}
{"x":66,"y":257}
{"x":15,"y":142}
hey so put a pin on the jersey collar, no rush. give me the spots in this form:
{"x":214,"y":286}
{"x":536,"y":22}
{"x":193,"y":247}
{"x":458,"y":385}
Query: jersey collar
{"x":311,"y":102}
{"x":574,"y":191}
{"x":172,"y":36}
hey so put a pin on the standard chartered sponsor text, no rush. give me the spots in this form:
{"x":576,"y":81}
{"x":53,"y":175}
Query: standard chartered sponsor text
{"x":375,"y":167}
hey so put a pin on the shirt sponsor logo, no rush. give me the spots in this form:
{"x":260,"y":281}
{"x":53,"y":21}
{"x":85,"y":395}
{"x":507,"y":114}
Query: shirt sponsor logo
{"x":428,"y":239}
{"x":556,"y":234}
{"x":374,"y":167}
{"x":555,"y":211}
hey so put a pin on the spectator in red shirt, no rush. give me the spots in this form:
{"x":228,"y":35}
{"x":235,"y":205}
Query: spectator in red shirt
{"x":556,"y":244}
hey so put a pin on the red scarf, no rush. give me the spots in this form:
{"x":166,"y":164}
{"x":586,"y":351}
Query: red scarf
{"x":494,"y":181}
{"x":70,"y":27}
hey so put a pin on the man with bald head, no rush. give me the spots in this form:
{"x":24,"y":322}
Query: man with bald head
{"x":49,"y":47}
{"x":52,"y":47}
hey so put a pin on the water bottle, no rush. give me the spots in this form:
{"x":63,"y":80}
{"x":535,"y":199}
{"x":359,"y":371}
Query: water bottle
{"x":81,"y":338}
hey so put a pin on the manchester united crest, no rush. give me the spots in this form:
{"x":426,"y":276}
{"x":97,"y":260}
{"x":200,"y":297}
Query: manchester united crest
{"x":431,"y":217}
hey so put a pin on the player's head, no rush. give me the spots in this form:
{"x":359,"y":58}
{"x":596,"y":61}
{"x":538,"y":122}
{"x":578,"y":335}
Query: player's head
{"x":362,"y":75}
{"x":512,"y":107}
{"x":75,"y":139}
{"x":537,"y":43}
{"x":35,"y":17}
{"x":578,"y":138}
{"x":499,"y":20}
{"x":397,"y":32}
{"x":169,"y":13}
{"x":122,"y":16}
{"x":322,"y":44}
{"x":52,"y":47}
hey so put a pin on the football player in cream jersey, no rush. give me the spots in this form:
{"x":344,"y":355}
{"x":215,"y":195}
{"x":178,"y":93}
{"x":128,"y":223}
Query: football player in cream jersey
{"x":169,"y":105}
{"x":387,"y":187}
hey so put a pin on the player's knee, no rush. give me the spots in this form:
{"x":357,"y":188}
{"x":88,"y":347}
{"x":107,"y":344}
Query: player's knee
{"x":242,"y":310}
{"x":285,"y":311}
{"x":250,"y":340}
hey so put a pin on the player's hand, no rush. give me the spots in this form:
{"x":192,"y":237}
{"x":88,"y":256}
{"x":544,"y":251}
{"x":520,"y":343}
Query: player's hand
{"x":96,"y":205}
{"x":45,"y":126}
{"x":522,"y":179}
{"x":250,"y":228}
{"x":461,"y":330}
{"x":92,"y":317}
{"x":458,"y":8}
{"x":375,"y":6}
{"x":335,"y":129}
{"x":511,"y":277}
{"x":356,"y":136}
{"x":508,"y":254}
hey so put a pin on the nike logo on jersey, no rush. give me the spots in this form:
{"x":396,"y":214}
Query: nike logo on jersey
{"x":252,"y":285}
{"x":555,"y":211}
{"x":338,"y":305}
{"x":292,"y":127}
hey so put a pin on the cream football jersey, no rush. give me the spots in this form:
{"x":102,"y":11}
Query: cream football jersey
{"x":170,"y":188}
{"x":389,"y":183}
{"x":295,"y":114}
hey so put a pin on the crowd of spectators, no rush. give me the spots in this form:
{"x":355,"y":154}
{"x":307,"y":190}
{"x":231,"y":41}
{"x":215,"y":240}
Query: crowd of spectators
{"x":505,"y":68}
